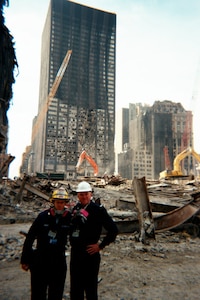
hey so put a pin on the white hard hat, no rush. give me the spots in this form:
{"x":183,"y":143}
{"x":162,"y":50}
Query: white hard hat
{"x":83,"y":187}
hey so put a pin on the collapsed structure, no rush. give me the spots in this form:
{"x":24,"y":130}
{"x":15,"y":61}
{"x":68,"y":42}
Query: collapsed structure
{"x":8,"y":63}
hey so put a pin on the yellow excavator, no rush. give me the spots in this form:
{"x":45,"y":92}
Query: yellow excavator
{"x":177,"y":172}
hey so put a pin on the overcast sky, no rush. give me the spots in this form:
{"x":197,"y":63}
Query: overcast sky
{"x":157,"y":58}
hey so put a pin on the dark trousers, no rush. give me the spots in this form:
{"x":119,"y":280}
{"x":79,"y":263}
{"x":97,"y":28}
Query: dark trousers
{"x":84,"y":269}
{"x":48,"y":280}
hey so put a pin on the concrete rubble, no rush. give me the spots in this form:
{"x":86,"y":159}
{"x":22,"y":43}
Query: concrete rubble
{"x":21,"y":205}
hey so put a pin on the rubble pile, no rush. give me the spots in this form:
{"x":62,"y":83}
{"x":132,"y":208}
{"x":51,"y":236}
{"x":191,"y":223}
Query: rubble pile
{"x":10,"y":246}
{"x":22,"y":199}
{"x":20,"y":207}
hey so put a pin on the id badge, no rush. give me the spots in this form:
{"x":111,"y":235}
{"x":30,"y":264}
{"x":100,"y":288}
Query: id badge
{"x":75,"y":233}
{"x":52,"y":234}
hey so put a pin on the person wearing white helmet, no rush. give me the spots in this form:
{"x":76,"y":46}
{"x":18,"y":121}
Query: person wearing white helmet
{"x":88,"y":219}
{"x":47,"y":263}
{"x":83,"y":186}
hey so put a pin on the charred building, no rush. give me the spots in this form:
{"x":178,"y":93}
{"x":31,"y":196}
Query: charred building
{"x":157,"y":134}
{"x":82,"y":113}
{"x":8,"y":63}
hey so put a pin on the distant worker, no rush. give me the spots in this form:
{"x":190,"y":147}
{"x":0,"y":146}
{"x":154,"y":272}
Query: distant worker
{"x":88,"y":219}
{"x":47,"y":263}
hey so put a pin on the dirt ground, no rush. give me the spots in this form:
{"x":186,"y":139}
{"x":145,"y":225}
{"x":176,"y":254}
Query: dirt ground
{"x":167,"y":268}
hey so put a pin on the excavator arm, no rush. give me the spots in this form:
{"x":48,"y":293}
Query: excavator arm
{"x":86,"y":156}
{"x":177,"y":163}
{"x":182,"y":155}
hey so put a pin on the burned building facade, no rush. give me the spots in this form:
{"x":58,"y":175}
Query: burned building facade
{"x":8,"y":63}
{"x":82,"y":113}
{"x":157,"y":134}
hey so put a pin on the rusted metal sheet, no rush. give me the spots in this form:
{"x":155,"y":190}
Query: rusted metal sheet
{"x":162,"y":223}
{"x":175,"y":218}
{"x":143,"y":206}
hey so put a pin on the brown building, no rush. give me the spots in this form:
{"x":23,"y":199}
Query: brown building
{"x":156,"y":135}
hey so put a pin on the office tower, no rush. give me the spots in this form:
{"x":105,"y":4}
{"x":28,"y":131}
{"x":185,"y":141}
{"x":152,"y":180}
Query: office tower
{"x":157,"y":134}
{"x":82,"y":113}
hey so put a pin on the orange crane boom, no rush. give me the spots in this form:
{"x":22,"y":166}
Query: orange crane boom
{"x":86,"y":156}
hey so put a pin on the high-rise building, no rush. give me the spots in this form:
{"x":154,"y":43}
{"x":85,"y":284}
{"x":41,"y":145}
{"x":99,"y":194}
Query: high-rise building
{"x":82,"y":113}
{"x":157,"y":134}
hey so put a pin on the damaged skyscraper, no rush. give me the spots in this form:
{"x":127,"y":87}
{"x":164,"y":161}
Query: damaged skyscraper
{"x":157,"y":134}
{"x":82,"y":113}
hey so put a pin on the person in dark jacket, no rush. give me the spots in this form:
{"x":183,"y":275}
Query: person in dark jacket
{"x":88,"y":219}
{"x":47,"y":263}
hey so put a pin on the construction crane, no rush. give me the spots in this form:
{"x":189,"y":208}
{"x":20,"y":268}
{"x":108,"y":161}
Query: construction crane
{"x":52,"y":93}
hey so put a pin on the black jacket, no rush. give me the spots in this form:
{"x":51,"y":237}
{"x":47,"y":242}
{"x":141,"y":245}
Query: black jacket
{"x":50,"y":232}
{"x":87,"y":230}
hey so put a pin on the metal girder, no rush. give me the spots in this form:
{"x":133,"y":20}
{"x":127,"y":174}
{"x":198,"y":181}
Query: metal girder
{"x":143,"y":206}
{"x":30,"y":188}
{"x":175,"y":218}
{"x":162,"y":223}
